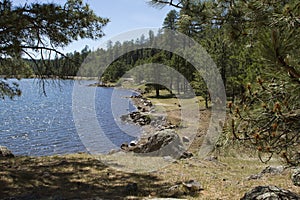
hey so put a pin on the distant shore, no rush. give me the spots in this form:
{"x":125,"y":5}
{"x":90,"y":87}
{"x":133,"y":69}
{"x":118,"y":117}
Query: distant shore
{"x":48,"y":77}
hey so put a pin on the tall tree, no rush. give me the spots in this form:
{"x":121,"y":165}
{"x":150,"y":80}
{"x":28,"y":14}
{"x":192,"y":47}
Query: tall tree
{"x":264,"y":37}
{"x":170,"y":22}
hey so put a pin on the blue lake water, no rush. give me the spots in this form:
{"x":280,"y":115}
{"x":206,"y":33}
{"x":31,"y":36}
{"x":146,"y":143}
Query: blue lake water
{"x":38,"y":125}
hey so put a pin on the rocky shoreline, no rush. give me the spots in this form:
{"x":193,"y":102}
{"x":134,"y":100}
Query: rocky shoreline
{"x":145,"y":115}
{"x":100,"y":85}
{"x":159,"y":137}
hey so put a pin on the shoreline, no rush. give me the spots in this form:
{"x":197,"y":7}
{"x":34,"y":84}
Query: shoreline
{"x":84,"y":176}
{"x":159,"y":137}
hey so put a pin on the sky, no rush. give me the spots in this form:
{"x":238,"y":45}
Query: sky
{"x":124,"y":15}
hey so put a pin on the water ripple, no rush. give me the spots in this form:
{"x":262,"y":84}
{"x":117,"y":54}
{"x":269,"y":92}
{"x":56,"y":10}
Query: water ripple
{"x":38,"y":125}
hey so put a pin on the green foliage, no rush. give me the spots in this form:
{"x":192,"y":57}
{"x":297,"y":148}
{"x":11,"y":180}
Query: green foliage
{"x":13,"y":67}
{"x":58,"y":25}
{"x":268,"y":115}
{"x":40,"y":29}
{"x":170,"y":22}
{"x":250,"y":39}
{"x":9,"y":90}
{"x":269,"y":118}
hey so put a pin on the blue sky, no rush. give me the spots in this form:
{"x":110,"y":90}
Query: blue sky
{"x":125,"y":15}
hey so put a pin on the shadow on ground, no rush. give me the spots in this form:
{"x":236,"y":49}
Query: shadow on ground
{"x":77,"y":176}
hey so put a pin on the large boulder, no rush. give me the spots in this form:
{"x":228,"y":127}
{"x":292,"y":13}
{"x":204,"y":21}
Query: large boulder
{"x":296,"y":177}
{"x":270,"y":193}
{"x":5,"y":152}
{"x":162,"y":143}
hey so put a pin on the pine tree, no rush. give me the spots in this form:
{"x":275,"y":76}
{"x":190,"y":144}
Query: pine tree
{"x":42,"y":28}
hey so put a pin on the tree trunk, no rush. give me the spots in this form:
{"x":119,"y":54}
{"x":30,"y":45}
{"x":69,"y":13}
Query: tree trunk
{"x":157,"y":90}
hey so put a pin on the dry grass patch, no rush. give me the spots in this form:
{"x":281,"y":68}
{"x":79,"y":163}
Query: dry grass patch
{"x":226,"y":178}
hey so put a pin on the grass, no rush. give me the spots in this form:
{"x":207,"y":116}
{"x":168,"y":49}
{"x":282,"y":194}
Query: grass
{"x":177,"y":110}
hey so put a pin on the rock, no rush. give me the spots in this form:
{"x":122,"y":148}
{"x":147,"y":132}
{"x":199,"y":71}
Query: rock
{"x":147,"y":103}
{"x":124,"y":146}
{"x":136,"y":117}
{"x":212,"y":159}
{"x":273,"y":170}
{"x":185,"y":139}
{"x":186,"y":155}
{"x":172,"y":126}
{"x":174,"y":191}
{"x":192,"y":186}
{"x":254,"y":176}
{"x":132,"y":143}
{"x":270,"y":193}
{"x":161,"y":143}
{"x":296,"y":177}
{"x":46,"y":175}
{"x":5,"y":152}
{"x":268,"y":170}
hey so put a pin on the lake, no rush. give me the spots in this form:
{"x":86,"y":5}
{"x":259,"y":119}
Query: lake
{"x":39,"y":125}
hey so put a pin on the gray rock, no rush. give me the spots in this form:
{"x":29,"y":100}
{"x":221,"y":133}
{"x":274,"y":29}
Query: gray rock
{"x":133,"y":143}
{"x":268,"y":170}
{"x":212,"y":159}
{"x":192,"y":186}
{"x":185,"y":139}
{"x":186,"y":155}
{"x":161,"y":143}
{"x":124,"y":146}
{"x":174,"y":191}
{"x":255,"y":176}
{"x":296,"y":177}
{"x":5,"y":152}
{"x":270,"y":193}
{"x":273,"y":170}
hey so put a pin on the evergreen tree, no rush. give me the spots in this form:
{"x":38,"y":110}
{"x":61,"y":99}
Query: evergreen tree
{"x":43,"y":27}
{"x":263,"y":39}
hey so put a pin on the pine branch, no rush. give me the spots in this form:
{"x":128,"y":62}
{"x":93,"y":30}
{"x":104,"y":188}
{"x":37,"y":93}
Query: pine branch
{"x":165,"y":2}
